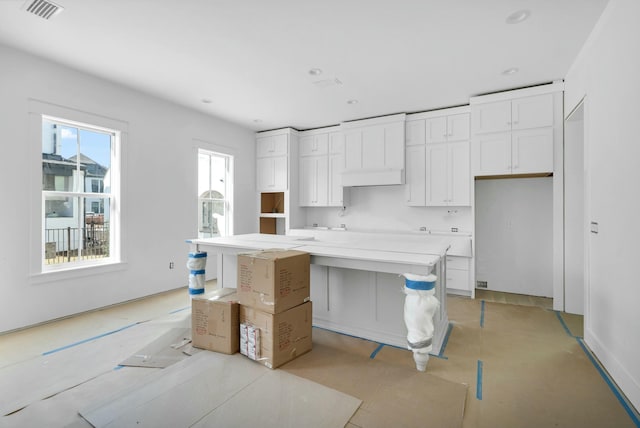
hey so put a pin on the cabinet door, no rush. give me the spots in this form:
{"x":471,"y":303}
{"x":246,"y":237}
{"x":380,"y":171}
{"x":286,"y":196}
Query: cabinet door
{"x":314,"y":144}
{"x":458,"y":127}
{"x":532,"y":112}
{"x":415,"y":132}
{"x":313,"y":181}
{"x":274,"y":145}
{"x":415,"y":175}
{"x":436,"y":130}
{"x":307,"y":181}
{"x":272,"y":173}
{"x":437,"y":175}
{"x":335,"y":168}
{"x":532,"y":151}
{"x":458,"y":279}
{"x":492,"y":117}
{"x":491,"y":154}
{"x":459,"y":174}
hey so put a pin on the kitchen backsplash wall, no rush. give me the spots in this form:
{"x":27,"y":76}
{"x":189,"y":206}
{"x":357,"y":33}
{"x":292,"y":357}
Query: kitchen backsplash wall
{"x":384,"y":208}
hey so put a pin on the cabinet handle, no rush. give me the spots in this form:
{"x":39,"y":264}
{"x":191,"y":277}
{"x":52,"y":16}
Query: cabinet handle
{"x":508,"y":123}
{"x":515,"y":122}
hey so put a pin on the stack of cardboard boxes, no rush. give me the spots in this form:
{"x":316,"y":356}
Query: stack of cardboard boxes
{"x":275,"y":312}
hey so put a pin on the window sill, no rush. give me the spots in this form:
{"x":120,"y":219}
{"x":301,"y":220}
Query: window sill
{"x":77,"y":272}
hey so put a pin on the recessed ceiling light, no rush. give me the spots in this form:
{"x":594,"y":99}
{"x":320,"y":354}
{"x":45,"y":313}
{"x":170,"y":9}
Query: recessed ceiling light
{"x":315,"y":72}
{"x":510,"y":71}
{"x":206,"y":101}
{"x":352,"y":101}
{"x":518,"y":16}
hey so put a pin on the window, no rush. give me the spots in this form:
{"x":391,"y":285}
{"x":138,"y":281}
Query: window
{"x":215,"y":188}
{"x":79,"y":193}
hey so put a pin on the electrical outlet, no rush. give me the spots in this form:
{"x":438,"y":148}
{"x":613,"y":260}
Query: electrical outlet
{"x":481,"y":284}
{"x":171,"y":265}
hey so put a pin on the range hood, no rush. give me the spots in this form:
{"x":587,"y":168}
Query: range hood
{"x":373,"y":177}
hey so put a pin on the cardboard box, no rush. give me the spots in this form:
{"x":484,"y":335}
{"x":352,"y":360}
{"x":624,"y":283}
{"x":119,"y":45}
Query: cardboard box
{"x":214,"y":321}
{"x":273,"y":280}
{"x":283,"y":336}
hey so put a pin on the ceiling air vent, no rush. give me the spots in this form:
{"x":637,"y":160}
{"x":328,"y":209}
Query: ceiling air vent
{"x":43,"y":8}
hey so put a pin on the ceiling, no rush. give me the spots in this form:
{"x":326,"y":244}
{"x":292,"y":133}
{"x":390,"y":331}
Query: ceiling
{"x":250,"y":59}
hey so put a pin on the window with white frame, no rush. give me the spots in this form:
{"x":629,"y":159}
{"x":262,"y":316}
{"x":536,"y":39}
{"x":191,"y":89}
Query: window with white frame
{"x":79,"y":193}
{"x":215,"y":190}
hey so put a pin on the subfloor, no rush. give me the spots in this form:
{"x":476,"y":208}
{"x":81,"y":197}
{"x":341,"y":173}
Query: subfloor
{"x":522,"y":366}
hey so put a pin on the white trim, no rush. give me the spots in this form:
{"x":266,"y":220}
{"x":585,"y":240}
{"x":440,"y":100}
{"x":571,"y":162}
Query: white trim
{"x":439,"y":113}
{"x":317,"y":131}
{"x":288,"y":131}
{"x":518,"y":93}
{"x":77,"y":271}
{"x":37,"y":110}
{"x":401,"y":117}
{"x":616,"y":370}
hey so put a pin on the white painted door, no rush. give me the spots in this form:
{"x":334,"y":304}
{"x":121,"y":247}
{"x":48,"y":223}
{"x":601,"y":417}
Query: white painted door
{"x":532,"y":112}
{"x":336,"y":165}
{"x":459,"y":174}
{"x":532,"y":151}
{"x":458,"y":127}
{"x":353,"y":149}
{"x":307,"y":181}
{"x":275,"y":145}
{"x":492,"y":117}
{"x":415,"y":175}
{"x":437,"y":175}
{"x":491,"y":154}
{"x":436,"y":130}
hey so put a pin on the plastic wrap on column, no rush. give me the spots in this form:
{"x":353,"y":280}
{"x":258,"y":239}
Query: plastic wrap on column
{"x":196,"y":264}
{"x":420,"y":305}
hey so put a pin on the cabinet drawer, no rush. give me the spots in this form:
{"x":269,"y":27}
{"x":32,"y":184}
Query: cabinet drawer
{"x":457,"y":263}
{"x":458,"y":279}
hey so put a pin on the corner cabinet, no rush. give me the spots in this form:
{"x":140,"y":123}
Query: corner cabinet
{"x":272,"y":158}
{"x":514,"y":136}
{"x":275,"y":151}
{"x":437,"y":158}
{"x":321,"y":166}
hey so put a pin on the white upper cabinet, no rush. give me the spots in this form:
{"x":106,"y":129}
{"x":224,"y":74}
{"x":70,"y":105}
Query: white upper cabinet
{"x":513,"y":136}
{"x":272,"y":145}
{"x":272,"y":161}
{"x":374,"y":151}
{"x":437,"y":158}
{"x":321,"y":160}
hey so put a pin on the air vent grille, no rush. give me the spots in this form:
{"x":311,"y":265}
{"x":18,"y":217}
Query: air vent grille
{"x":43,"y":8}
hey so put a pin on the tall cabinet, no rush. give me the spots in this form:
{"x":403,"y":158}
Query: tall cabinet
{"x":322,"y":163}
{"x":437,"y":158}
{"x":276,"y":170}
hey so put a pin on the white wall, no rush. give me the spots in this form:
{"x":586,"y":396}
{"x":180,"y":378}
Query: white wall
{"x":514,"y":235}
{"x":384,"y":208}
{"x":607,"y":72}
{"x":160,"y":188}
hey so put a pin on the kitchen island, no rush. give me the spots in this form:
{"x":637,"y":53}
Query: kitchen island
{"x":356,"y":287}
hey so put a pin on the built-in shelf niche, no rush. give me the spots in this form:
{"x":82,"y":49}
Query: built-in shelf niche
{"x":271,"y":211}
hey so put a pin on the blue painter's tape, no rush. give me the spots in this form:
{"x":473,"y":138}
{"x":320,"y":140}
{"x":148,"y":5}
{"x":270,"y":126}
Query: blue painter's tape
{"x":198,"y":255}
{"x":193,"y":291}
{"x":420,"y":285}
{"x":445,"y":341}
{"x":375,"y":352}
{"x":179,"y":310}
{"x":482,"y":313}
{"x":614,"y":388}
{"x":564,"y":325}
{"x":197,"y":272}
{"x":479,"y":381}
{"x":62,"y":348}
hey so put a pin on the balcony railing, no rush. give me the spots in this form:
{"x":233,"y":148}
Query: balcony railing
{"x":70,"y":244}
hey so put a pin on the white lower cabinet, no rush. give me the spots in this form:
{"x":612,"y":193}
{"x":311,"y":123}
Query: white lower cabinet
{"x":458,"y":281}
{"x":313,"y":181}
